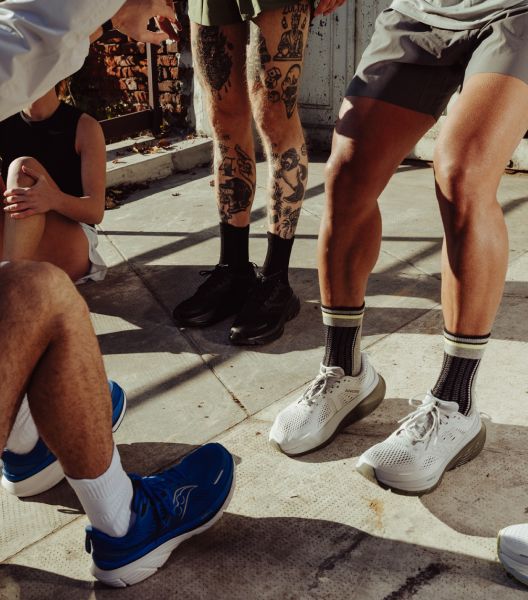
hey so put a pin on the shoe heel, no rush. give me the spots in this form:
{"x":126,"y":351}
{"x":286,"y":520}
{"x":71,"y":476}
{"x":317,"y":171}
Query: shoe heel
{"x":470,"y":451}
{"x":368,"y":405}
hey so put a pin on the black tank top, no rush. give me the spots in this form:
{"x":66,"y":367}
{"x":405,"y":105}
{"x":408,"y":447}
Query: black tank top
{"x":51,"y":142}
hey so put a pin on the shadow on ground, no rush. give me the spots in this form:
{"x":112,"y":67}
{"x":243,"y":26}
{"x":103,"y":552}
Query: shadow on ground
{"x":479,"y":498}
{"x":285,"y":559}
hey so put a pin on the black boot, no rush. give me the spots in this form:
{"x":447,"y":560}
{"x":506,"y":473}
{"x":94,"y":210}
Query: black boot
{"x":271,"y":303}
{"x":222,"y":295}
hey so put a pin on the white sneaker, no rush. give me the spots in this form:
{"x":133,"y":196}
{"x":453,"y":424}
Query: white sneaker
{"x":512,"y":547}
{"x":331,"y":402}
{"x":430,"y":441}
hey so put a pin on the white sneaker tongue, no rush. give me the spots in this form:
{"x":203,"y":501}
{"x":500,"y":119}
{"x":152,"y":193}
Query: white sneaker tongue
{"x":423,"y":425}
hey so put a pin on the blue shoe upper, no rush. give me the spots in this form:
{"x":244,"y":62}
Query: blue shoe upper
{"x":18,"y":467}
{"x":167,"y":505}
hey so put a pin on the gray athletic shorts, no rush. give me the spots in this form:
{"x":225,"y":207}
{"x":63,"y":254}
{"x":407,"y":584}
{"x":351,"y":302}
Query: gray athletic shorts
{"x":419,"y":67}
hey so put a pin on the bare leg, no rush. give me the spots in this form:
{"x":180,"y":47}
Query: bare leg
{"x":275,"y":66}
{"x":370,"y":141}
{"x":480,"y":134}
{"x":46,"y":237}
{"x":220,"y":56}
{"x":50,"y":350}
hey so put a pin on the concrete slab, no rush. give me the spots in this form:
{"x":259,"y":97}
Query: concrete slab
{"x":319,"y":530}
{"x":169,"y":251}
{"x":297,"y":529}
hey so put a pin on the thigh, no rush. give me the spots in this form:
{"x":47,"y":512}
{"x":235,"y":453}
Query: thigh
{"x":485,"y":125}
{"x":65,"y":245}
{"x":276,"y":57}
{"x":219,"y":53}
{"x":371,"y":138}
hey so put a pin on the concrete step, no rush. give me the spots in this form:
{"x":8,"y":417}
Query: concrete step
{"x":130,"y":161}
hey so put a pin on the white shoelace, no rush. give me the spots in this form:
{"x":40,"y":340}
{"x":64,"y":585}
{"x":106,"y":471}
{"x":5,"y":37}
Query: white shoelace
{"x":319,"y":384}
{"x":422,"y":425}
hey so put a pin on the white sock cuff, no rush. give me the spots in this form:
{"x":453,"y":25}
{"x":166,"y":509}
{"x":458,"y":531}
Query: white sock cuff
{"x":104,"y":486}
{"x":24,"y":435}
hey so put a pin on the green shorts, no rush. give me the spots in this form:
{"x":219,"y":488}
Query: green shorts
{"x":419,"y":67}
{"x":229,"y":12}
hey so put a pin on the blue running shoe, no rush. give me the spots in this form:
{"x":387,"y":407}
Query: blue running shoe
{"x":167,"y":508}
{"x":39,"y":470}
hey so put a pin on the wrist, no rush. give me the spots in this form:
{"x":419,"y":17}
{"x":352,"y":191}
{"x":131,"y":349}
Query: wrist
{"x":57,"y":201}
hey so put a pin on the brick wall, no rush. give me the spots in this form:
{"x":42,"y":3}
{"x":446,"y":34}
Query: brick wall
{"x":113,"y":80}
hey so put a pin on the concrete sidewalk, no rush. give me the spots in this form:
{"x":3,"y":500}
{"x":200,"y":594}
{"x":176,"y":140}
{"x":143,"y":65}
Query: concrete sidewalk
{"x":296,"y":529}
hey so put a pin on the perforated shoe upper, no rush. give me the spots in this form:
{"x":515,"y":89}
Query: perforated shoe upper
{"x":428,"y":437}
{"x":327,"y":394}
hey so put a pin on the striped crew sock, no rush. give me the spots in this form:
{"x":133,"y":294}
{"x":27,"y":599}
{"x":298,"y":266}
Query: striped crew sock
{"x":343,"y":338}
{"x":462,"y":354}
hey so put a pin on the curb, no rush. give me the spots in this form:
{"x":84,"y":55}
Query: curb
{"x":137,"y":167}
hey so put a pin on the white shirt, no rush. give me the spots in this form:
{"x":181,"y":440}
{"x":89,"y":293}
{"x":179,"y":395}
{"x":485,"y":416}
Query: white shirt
{"x":42,"y":42}
{"x":456,"y":14}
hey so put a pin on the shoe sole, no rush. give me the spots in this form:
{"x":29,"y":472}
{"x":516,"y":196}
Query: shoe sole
{"x":50,"y":476}
{"x":146,"y":566}
{"x":470,"y":451}
{"x":208,"y":320}
{"x":362,"y":410}
{"x":516,"y":569}
{"x":292,"y":310}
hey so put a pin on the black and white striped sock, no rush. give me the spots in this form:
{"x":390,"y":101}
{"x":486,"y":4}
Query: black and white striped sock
{"x":462,"y":355}
{"x":343,"y":338}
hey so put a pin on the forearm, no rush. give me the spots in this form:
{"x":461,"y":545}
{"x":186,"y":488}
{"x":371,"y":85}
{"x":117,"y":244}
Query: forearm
{"x":86,"y":209}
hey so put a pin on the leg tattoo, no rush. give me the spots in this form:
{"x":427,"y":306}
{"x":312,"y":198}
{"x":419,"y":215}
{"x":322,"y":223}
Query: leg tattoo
{"x":213,"y":51}
{"x":237,"y":180}
{"x":290,"y":176}
{"x":291,"y":44}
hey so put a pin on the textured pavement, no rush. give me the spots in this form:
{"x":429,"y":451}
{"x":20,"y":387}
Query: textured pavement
{"x":296,"y":529}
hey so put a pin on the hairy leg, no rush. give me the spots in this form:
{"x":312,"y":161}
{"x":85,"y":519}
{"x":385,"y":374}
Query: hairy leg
{"x":275,"y":62}
{"x":370,"y":141}
{"x":48,"y":237}
{"x":479,"y":136}
{"x":219,"y":57}
{"x":50,"y":350}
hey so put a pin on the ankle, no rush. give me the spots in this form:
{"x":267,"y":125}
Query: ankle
{"x":277,"y":257}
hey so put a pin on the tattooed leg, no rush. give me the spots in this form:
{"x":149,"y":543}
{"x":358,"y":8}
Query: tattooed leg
{"x":219,"y":57}
{"x":275,"y":61}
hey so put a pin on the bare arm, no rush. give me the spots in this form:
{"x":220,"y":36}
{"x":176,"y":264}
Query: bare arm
{"x":45,"y":195}
{"x":133,"y":18}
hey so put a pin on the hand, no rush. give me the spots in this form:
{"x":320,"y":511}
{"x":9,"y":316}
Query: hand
{"x":133,"y":18}
{"x":325,"y":7}
{"x":28,"y":201}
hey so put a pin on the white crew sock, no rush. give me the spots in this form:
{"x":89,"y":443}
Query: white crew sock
{"x":107,"y":499}
{"x":24,"y":435}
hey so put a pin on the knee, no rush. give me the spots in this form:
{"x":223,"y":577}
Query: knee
{"x":229,"y":117}
{"x":461,"y":186}
{"x":349,"y":191}
{"x":15,"y":172}
{"x":274,"y":117}
{"x":35,"y":283}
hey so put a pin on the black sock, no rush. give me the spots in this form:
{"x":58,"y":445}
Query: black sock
{"x":234,"y":245}
{"x":343,"y":338}
{"x":278,"y":256}
{"x":462,"y":355}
